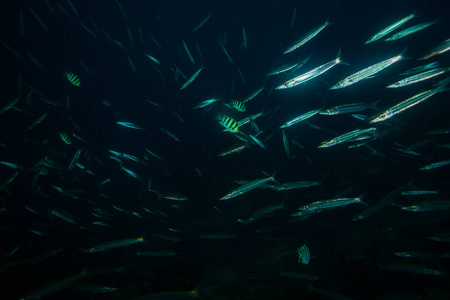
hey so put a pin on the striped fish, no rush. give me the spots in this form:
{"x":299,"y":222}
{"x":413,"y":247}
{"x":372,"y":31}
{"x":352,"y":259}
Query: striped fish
{"x":74,"y":79}
{"x":230,"y":124}
{"x":238,"y":105}
{"x":303,"y":255}
{"x":66,"y":138}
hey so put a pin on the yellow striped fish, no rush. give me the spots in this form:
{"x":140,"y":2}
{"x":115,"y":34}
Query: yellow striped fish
{"x":230,"y":124}
{"x":238,"y":105}
{"x":74,"y":79}
{"x":66,"y":138}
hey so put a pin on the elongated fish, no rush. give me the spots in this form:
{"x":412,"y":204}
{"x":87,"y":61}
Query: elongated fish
{"x":410,"y":30}
{"x":307,"y":37}
{"x":310,"y":74}
{"x":114,"y":244}
{"x":187,"y":83}
{"x":366,"y":73}
{"x":300,"y":118}
{"x":419,"y":77}
{"x":351,"y":136}
{"x":347,"y":108}
{"x":408,"y":103}
{"x":248,"y":187}
{"x":389,"y":29}
{"x":333,"y":203}
{"x":443,"y":47}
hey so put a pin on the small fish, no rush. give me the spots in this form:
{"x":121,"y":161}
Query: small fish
{"x":248,"y":187}
{"x":443,"y":47}
{"x":114,"y":245}
{"x":389,"y":29}
{"x":367,"y":73}
{"x":311,"y":74}
{"x":428,"y":206}
{"x":300,"y":118}
{"x":202,"y":22}
{"x":187,"y":83}
{"x":130,"y":125}
{"x":355,"y":135}
{"x":348,"y":108}
{"x":258,"y":142}
{"x":337,"y":202}
{"x":205,"y":103}
{"x":410,"y":30}
{"x":419,"y":77}
{"x":65,"y":138}
{"x":73,"y":79}
{"x":238,"y":105}
{"x":230,"y":124}
{"x":234,"y":149}
{"x":304,"y":255}
{"x":152,"y":59}
{"x":307,"y":37}
{"x":408,"y":103}
{"x":436,"y":165}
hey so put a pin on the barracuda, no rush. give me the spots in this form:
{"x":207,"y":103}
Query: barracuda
{"x":366,"y":73}
{"x":310,"y":74}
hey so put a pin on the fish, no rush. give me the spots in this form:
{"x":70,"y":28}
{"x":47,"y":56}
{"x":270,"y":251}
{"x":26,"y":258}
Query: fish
{"x":65,"y":138}
{"x":366,"y":73}
{"x":300,"y":118}
{"x":337,"y":202}
{"x":421,"y":68}
{"x":188,"y":53}
{"x":436,"y":165}
{"x":9,"y":105}
{"x":442,"y":48}
{"x":206,"y":103}
{"x":258,"y":142}
{"x":261,"y":213}
{"x":155,"y":154}
{"x":348,"y":108}
{"x":187,"y":83}
{"x":226,"y":54}
{"x":74,"y":160}
{"x":307,"y":37}
{"x":408,"y":103}
{"x":130,"y":125}
{"x":131,"y":173}
{"x":73,"y":79}
{"x":244,"y":39}
{"x":282,"y":69}
{"x":238,"y":105}
{"x":54,"y":287}
{"x":419,"y":77}
{"x":202,"y":22}
{"x":114,"y":245}
{"x":253,"y":95}
{"x":295,"y":185}
{"x":286,"y":145}
{"x":153,"y":59}
{"x":248,"y":187}
{"x":230,"y":124}
{"x":310,"y":74}
{"x":304,"y":256}
{"x":410,"y":30}
{"x":234,"y":149}
{"x":428,"y":206}
{"x":351,"y":136}
{"x":389,"y":29}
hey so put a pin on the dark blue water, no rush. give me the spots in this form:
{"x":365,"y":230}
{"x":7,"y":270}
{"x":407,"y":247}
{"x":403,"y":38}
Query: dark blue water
{"x":350,"y":258}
